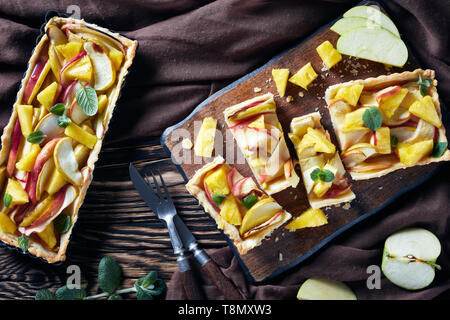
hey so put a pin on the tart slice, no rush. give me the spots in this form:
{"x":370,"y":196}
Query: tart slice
{"x":258,"y":133}
{"x":244,"y":212}
{"x":388,"y":123}
{"x":320,"y":164}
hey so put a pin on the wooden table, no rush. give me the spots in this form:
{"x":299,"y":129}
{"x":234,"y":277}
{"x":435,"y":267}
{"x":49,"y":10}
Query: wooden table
{"x":114,"y":221}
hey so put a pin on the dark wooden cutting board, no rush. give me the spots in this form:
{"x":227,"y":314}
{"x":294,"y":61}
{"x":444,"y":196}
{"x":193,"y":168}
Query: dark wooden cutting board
{"x":284,"y":249}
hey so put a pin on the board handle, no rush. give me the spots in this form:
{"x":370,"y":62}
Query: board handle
{"x":224,"y":284}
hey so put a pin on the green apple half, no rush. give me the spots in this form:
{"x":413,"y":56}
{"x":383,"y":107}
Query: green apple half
{"x":346,"y":24}
{"x":374,"y":15}
{"x":375,"y":44}
{"x":322,"y":289}
{"x":409,"y":258}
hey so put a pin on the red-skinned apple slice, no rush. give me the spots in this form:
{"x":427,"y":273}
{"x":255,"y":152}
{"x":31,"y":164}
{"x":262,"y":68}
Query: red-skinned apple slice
{"x":76,"y":114}
{"x":62,"y":200}
{"x":389,"y":91}
{"x":276,"y":218}
{"x":49,"y":127}
{"x":45,"y":154}
{"x":399,"y":117}
{"x":336,"y":191}
{"x":66,"y":162}
{"x":19,"y":212}
{"x":251,"y":105}
{"x":402,"y":133}
{"x":64,"y":67}
{"x":353,"y":157}
{"x":33,"y":80}
{"x":17,"y":135}
{"x":424,"y":131}
{"x":43,"y":177}
{"x":380,"y":164}
{"x":68,"y":91}
{"x":104,"y":71}
{"x":210,"y":199}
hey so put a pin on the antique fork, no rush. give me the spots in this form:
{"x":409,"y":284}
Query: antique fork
{"x":164,"y":208}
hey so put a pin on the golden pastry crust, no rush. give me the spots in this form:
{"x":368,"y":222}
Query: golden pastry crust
{"x":195,"y":187}
{"x":35,"y":248}
{"x":378,"y":83}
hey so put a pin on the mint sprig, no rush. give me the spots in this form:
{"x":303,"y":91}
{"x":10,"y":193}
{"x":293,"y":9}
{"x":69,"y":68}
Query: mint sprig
{"x":36,"y":137}
{"x":249,"y":201}
{"x":438,"y":149}
{"x":7,"y":198}
{"x":87,"y":100}
{"x":58,"y":109}
{"x":218,"y":198}
{"x":372,"y":118}
{"x":62,"y":223}
{"x":423,"y":85}
{"x":24,"y":243}
{"x":394,"y":141}
{"x":323,"y":174}
{"x":109,"y":278}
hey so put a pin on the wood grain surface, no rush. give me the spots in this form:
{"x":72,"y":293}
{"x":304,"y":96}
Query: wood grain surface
{"x":114,"y":221}
{"x":283,"y":248}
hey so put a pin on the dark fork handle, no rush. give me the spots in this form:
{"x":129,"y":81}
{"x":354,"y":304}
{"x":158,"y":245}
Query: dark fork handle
{"x":191,"y":286}
{"x":224,"y":284}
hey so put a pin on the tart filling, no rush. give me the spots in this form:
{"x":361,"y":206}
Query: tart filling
{"x":258,"y":133}
{"x":320,"y":164}
{"x":244,"y":212}
{"x":388,"y":123}
{"x":55,"y":133}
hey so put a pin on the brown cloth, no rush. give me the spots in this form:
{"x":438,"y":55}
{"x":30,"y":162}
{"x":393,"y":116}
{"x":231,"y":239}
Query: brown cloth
{"x":189,"y":49}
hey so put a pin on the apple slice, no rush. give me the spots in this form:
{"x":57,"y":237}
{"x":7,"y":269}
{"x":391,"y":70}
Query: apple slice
{"x":104,"y":72}
{"x":424,"y":131}
{"x":403,"y":133}
{"x":43,"y":178}
{"x":62,"y":200}
{"x":277,"y":159}
{"x":322,"y":289}
{"x":49,"y":127}
{"x":35,"y":81}
{"x":349,"y":23}
{"x":66,"y":162}
{"x":259,"y":213}
{"x":375,"y":15}
{"x":409,"y":258}
{"x":75,"y":113}
{"x":45,"y":154}
{"x":17,"y":135}
{"x":376,"y":44}
{"x":275,"y":219}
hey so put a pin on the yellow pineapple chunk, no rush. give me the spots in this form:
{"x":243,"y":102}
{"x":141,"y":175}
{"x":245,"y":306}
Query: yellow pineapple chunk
{"x":321,"y":187}
{"x":258,"y":123}
{"x":321,"y":142}
{"x":55,"y":183}
{"x":17,"y":193}
{"x":81,"y":70}
{"x":329,"y":55}
{"x":426,"y":110}
{"x":229,"y":211}
{"x":304,"y":76}
{"x":411,"y":154}
{"x":204,"y":144}
{"x":354,"y":120}
{"x":102,"y":103}
{"x":80,"y":135}
{"x":116,"y":57}
{"x":39,"y":82}
{"x":280,"y":76}
{"x":70,"y":49}
{"x":383,"y":137}
{"x":25,"y":113}
{"x":6,"y":224}
{"x":48,"y":236}
{"x":300,"y":126}
{"x":81,"y":154}
{"x":390,"y":103}
{"x":27,"y":162}
{"x":309,"y":218}
{"x":217,"y":181}
{"x":350,"y":94}
{"x":47,"y":96}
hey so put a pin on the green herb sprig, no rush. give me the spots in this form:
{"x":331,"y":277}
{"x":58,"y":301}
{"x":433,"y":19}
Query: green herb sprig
{"x":218,"y":198}
{"x":372,"y":118}
{"x":24,"y":243}
{"x":87,"y":100}
{"x":60,"y":110}
{"x":423,"y":85}
{"x":438,"y":149}
{"x":36,"y":137}
{"x":323,"y":174}
{"x":109,"y":278}
{"x":7,"y":198}
{"x":249,"y":201}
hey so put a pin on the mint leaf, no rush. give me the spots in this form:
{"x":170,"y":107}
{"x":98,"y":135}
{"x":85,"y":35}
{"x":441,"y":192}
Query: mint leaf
{"x":36,"y":137}
{"x":45,"y":294}
{"x":372,"y":118}
{"x":109,"y":274}
{"x":115,"y":297}
{"x":423,"y":85}
{"x":218,"y":198}
{"x":394,"y":141}
{"x":24,"y":243}
{"x":326,"y":175}
{"x":7,"y":198}
{"x":249,"y":201}
{"x":151,"y":290}
{"x":62,"y":223}
{"x":149,"y":279}
{"x":315,"y":174}
{"x":64,"y":293}
{"x":63,"y":120}
{"x":438,"y":149}
{"x":58,"y":109}
{"x":87,"y":100}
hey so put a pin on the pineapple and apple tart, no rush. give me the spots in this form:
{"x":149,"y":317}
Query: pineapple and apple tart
{"x":387,"y":123}
{"x":258,"y":133}
{"x":320,"y":164}
{"x":55,"y":133}
{"x":244,"y":212}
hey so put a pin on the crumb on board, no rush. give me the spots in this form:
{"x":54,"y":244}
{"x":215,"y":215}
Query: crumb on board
{"x":346,"y":206}
{"x":186,"y":143}
{"x":301,"y":94}
{"x":276,"y":239}
{"x":289,"y":98}
{"x":280,"y":256}
{"x":380,"y":188}
{"x":257,"y":89}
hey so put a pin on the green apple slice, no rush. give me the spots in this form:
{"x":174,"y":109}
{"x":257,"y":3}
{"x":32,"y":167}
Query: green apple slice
{"x":375,"y":15}
{"x":375,"y":44}
{"x":321,"y":289}
{"x":346,"y":24}
{"x":409,"y":258}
